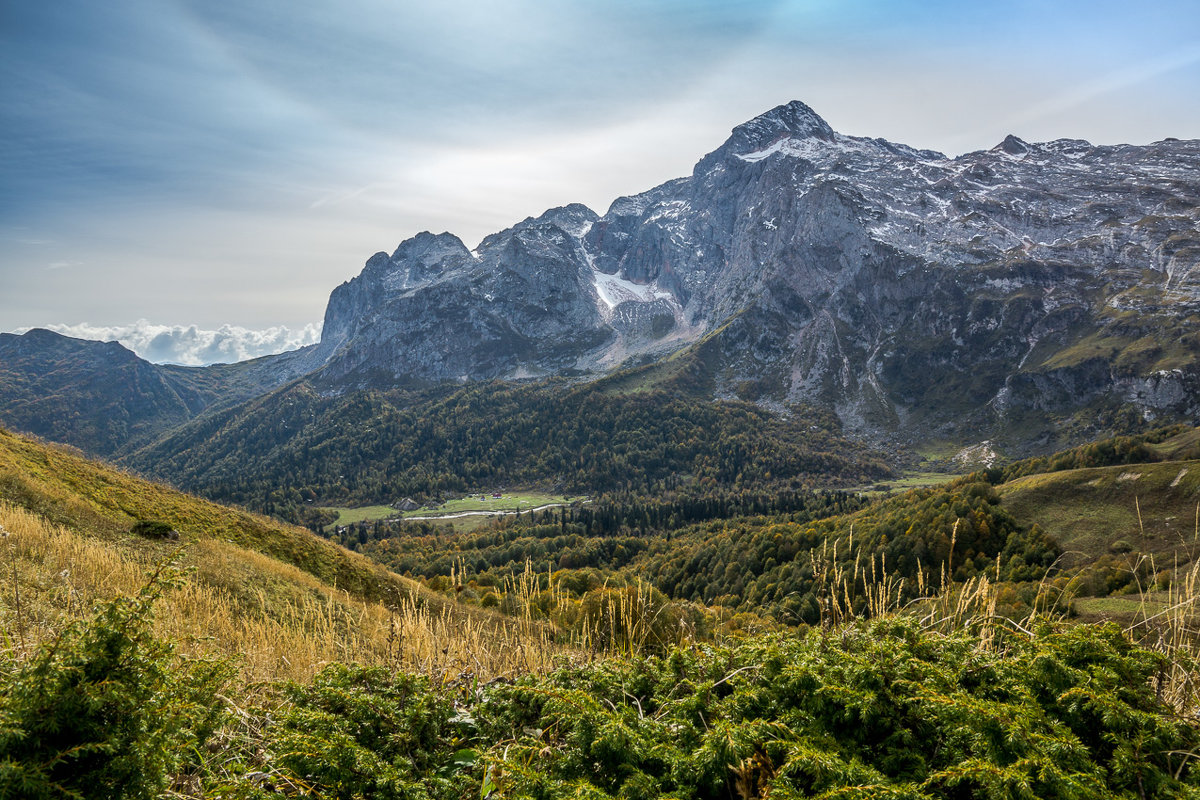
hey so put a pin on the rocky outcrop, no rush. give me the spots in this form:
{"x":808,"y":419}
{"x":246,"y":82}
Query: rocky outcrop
{"x":520,"y":305}
{"x":912,"y":292}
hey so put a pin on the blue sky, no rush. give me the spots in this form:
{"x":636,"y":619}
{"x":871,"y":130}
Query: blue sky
{"x":222,"y":166}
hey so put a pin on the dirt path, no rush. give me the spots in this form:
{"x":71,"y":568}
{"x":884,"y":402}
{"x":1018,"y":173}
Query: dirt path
{"x":484,"y":513}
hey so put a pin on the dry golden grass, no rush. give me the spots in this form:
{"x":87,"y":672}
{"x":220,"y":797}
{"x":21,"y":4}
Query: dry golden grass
{"x":280,"y":599}
{"x":91,"y":496}
{"x":278,"y":621}
{"x":868,"y":590}
{"x":1168,"y":623}
{"x":284,"y":602}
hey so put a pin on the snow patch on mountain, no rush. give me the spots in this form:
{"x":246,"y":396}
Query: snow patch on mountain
{"x":614,"y":290}
{"x":808,"y":149}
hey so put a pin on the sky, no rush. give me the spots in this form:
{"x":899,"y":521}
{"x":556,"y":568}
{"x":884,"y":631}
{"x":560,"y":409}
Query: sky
{"x":193,"y":178}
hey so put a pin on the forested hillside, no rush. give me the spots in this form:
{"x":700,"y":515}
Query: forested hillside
{"x":936,"y":662}
{"x":298,"y":446}
{"x":780,"y":556}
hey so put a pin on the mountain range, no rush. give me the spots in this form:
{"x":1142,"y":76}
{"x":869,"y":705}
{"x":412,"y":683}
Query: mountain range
{"x":1027,"y":296}
{"x":904,"y":289}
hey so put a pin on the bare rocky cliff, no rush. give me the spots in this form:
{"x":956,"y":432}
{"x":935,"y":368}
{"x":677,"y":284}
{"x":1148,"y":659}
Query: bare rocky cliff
{"x":912,"y":292}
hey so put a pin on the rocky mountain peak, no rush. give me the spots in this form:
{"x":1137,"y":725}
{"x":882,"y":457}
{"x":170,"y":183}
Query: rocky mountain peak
{"x":1013,"y":146}
{"x":431,"y":249}
{"x":573,"y":220}
{"x":791,"y":121}
{"x":826,"y":269}
{"x":1003,"y":293}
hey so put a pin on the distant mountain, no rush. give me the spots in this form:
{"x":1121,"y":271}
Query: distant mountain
{"x":1031,"y":295}
{"x":103,"y":398}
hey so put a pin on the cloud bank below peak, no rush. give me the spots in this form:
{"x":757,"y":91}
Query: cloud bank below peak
{"x":192,"y":346}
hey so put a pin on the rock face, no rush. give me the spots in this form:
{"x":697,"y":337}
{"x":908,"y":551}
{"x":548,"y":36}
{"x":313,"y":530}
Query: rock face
{"x":998,"y":295}
{"x":914,"y":293}
{"x":519,"y":306}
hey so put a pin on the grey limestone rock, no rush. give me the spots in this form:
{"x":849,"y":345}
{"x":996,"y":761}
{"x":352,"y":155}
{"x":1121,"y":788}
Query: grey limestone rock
{"x":914,"y":293}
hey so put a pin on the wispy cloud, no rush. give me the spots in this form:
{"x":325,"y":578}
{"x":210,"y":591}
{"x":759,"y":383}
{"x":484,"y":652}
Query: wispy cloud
{"x":192,"y":346}
{"x":333,"y":198}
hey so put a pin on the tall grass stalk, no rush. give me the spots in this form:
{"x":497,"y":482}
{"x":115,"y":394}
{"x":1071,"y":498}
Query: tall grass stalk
{"x":278,"y":621}
{"x":1167,"y":623}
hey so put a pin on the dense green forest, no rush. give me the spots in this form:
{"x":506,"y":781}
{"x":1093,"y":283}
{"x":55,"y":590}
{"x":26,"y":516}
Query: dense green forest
{"x":609,"y":515}
{"x":773,"y":555}
{"x":297,"y":446}
{"x":772,"y":564}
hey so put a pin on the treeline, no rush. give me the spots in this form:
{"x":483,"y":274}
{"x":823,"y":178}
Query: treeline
{"x":1105,"y":453}
{"x":775,"y":563}
{"x":297,"y":448}
{"x":606,"y":535}
{"x":631,"y":512}
{"x":626,"y":512}
{"x":780,"y":567}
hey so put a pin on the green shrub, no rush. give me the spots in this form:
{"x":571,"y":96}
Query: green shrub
{"x":154,"y":529}
{"x":874,"y":710}
{"x":367,"y":732}
{"x":104,"y":710}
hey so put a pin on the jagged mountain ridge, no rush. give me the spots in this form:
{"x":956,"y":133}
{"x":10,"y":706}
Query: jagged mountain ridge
{"x":1002,"y":294}
{"x":901,"y":287}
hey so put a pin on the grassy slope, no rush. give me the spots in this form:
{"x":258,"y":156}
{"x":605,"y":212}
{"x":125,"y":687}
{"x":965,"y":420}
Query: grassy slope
{"x":1182,"y":446}
{"x":258,"y":584}
{"x":1088,"y":510}
{"x":1152,"y":509}
{"x":71,"y":490}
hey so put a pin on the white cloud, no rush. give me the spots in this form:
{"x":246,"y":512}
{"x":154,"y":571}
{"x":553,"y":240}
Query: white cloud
{"x":189,"y":345}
